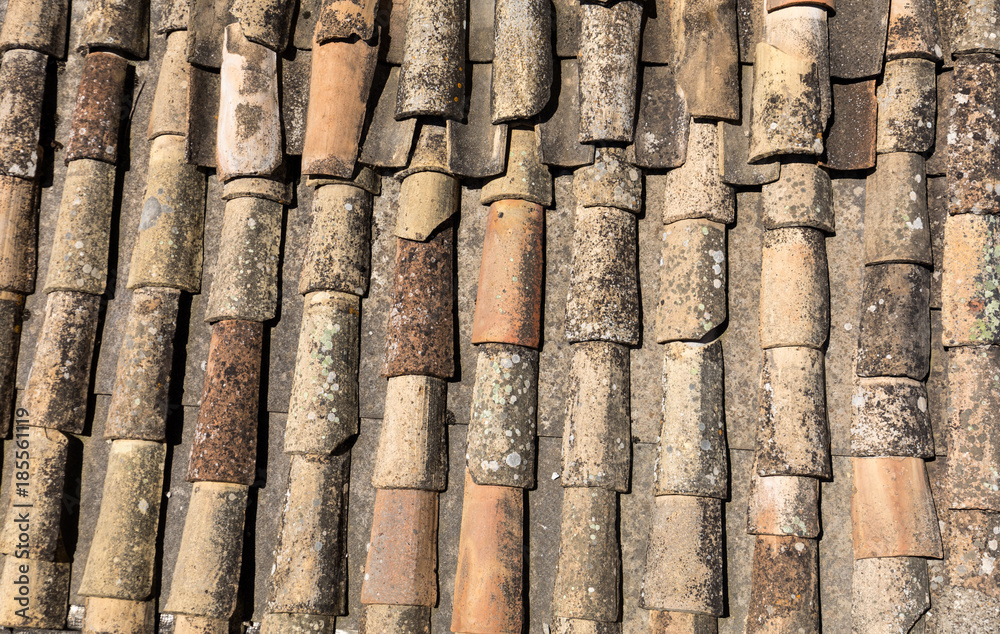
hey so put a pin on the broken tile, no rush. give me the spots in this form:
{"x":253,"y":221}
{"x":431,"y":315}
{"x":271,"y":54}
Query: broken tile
{"x":340,"y":78}
{"x":907,"y":106}
{"x":792,"y":434}
{"x":857,"y":38}
{"x":895,"y":299}
{"x":609,"y":50}
{"x":794,"y":289}
{"x":850,"y":138}
{"x":477,"y":148}
{"x":691,"y":453}
{"x":892,"y":511}
{"x":693,"y":276}
{"x":559,"y":132}
{"x":426,"y":200}
{"x":430,"y":79}
{"x":603,"y":299}
{"x":662,"y":127}
{"x":522,"y":62}
{"x":897,"y":226}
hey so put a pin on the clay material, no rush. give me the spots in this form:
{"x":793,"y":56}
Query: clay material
{"x":210,"y":554}
{"x":734,"y":143}
{"x":857,"y":38}
{"x":426,"y":200}
{"x":801,"y":197}
{"x":850,"y":138}
{"x":79,"y":256}
{"x":395,"y":618}
{"x":663,"y":622}
{"x":206,"y":27}
{"x":662,"y":125}
{"x":248,"y":137}
{"x":895,"y":299}
{"x":266,"y":22}
{"x":35,"y":491}
{"x":481,"y":26}
{"x":973,"y":428}
{"x":118,"y":616}
{"x":122,"y":554}
{"x":18,"y":234}
{"x":784,"y":506}
{"x":611,"y":181}
{"x":913,"y":30}
{"x":97,"y":114}
{"x":906,"y":106}
{"x":283,"y":623}
{"x":589,"y":571}
{"x":971,"y":307}
{"x":204,"y":88}
{"x":508,"y":301}
{"x":974,"y":137}
{"x":245,"y":284}
{"x":412,"y":445}
{"x":420,"y":331}
{"x":691,"y":454}
{"x":603,"y":299}
{"x":431,"y":152}
{"x":47,"y":592}
{"x":170,"y":103}
{"x":119,"y":25}
{"x":897,"y":225}
{"x":706,"y":57}
{"x":695,"y":190}
{"x":431,"y":77}
{"x":38,"y":25}
{"x":526,"y":177}
{"x":56,"y":394}
{"x":794,"y":289}
{"x":792,"y":433}
{"x":693,"y":276}
{"x":387,"y":142}
{"x":341,"y":77}
{"x":609,"y":51}
{"x":138,"y":408}
{"x":22,"y":88}
{"x":402,"y":556}
{"x":684,"y":558}
{"x":891,"y":418}
{"x":971,"y":538}
{"x":341,"y":19}
{"x":801,"y":31}
{"x":174,"y":16}
{"x":187,"y":624}
{"x":786,"y":106}
{"x":501,"y":445}
{"x":784,"y":585}
{"x":168,"y":250}
{"x":522,"y":62}
{"x":489,"y":578}
{"x":972,"y":27}
{"x":11,"y":309}
{"x":279,"y":191}
{"x":478,"y":148}
{"x":225,"y":444}
{"x":596,"y":447}
{"x":892,"y":511}
{"x":559,"y":132}
{"x":338,"y":257}
{"x":890,"y":593}
{"x":315,"y":512}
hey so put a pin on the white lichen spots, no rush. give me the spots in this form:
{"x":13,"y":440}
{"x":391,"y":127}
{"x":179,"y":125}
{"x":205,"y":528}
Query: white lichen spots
{"x":143,"y":506}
